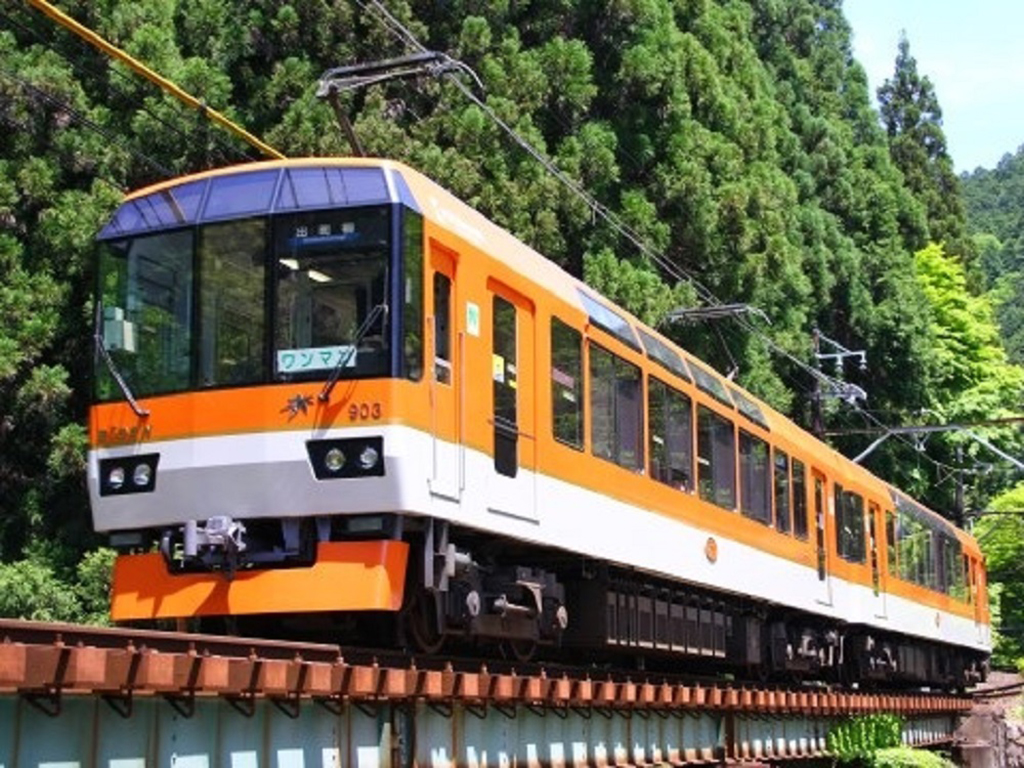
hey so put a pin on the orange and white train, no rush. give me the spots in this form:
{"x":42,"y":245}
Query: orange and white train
{"x":327,"y":389}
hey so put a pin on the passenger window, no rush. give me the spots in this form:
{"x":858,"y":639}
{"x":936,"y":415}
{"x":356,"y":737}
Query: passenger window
{"x":819,"y":516}
{"x":412,"y":309}
{"x":799,"y":500}
{"x":782,"y":510}
{"x":914,"y":549}
{"x":566,"y":384}
{"x":442,"y":329}
{"x":615,"y":409}
{"x":849,"y":525}
{"x":504,"y":374}
{"x":952,"y":558}
{"x":873,"y":544}
{"x":927,"y":554}
{"x":670,"y":421}
{"x":890,"y":542}
{"x":716,"y":458}
{"x":968,"y":580}
{"x":755,"y":498}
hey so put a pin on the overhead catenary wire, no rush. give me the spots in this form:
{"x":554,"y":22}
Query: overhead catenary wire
{"x":404,"y":35}
{"x":167,"y":85}
{"x":77,"y":62}
{"x":596,"y":207}
{"x":84,"y":121}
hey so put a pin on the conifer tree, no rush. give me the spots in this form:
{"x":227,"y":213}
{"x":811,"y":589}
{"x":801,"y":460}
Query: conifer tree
{"x":912,"y":119}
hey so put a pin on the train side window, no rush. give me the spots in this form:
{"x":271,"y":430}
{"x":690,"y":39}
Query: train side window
{"x":819,"y":516}
{"x":953,"y":583}
{"x":566,"y":383}
{"x":504,"y":373}
{"x":921,"y":566}
{"x":849,"y":525}
{"x":782,"y":486}
{"x":913,"y":548}
{"x":616,"y":416}
{"x":412,"y":308}
{"x":755,"y":498}
{"x":873,"y":545}
{"x":716,"y":458}
{"x":961,"y":578}
{"x":890,"y":542}
{"x":968,"y":579}
{"x":144,"y":278}
{"x":930,"y":578}
{"x":941,"y":571}
{"x":799,"y":499}
{"x":442,"y":328}
{"x":670,"y":422}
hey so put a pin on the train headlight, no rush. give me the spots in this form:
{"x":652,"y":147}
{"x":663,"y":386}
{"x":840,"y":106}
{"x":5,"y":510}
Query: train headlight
{"x":346,"y":457}
{"x":368,"y":458}
{"x":128,"y":474}
{"x":142,"y":475}
{"x":334,"y":460}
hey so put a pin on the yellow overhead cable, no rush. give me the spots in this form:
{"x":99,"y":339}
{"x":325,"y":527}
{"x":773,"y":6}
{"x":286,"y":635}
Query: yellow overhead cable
{"x":112,"y":50}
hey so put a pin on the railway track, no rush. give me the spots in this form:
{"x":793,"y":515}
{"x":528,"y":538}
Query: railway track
{"x":45,"y":661}
{"x":215,"y":697}
{"x":999,"y":691}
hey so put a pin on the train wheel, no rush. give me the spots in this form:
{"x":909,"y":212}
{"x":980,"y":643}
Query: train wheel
{"x":421,"y":619}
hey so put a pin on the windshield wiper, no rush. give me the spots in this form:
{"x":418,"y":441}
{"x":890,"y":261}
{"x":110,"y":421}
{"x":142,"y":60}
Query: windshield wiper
{"x":380,"y":310}
{"x":112,"y":367}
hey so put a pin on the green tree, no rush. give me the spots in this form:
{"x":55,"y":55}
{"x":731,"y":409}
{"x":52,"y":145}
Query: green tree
{"x":1001,"y":535}
{"x":973,"y":375}
{"x":973,"y":378}
{"x":995,"y":201}
{"x":913,"y":122}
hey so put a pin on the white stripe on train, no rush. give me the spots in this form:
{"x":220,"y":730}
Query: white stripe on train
{"x":267,"y":475}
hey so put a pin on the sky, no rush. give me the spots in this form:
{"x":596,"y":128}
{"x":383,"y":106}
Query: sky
{"x":971,"y":51}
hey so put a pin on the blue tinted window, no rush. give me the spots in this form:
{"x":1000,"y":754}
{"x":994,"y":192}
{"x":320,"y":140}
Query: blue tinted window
{"x":161,"y":210}
{"x":664,"y":354}
{"x":310,"y":188}
{"x":366,"y":185}
{"x":239,"y":194}
{"x":611,"y":321}
{"x":250,"y":193}
{"x":711,"y":384}
{"x":749,"y":408}
{"x":328,"y":187}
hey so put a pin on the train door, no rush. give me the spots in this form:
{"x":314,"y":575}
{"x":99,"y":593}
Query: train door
{"x":874,"y":554}
{"x":512,"y":485}
{"x":444,"y":371}
{"x":824,"y":594}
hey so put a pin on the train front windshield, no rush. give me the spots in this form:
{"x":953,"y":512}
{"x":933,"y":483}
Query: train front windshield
{"x":285,"y":297}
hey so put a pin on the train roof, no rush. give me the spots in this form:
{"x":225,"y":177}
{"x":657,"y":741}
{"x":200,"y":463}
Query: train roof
{"x":291,"y":185}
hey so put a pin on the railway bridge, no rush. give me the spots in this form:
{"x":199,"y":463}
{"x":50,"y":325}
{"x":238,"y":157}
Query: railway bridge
{"x":75,"y":697}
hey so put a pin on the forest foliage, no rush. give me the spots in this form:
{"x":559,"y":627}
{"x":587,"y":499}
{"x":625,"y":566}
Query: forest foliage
{"x":994,"y":201}
{"x":736,"y":139}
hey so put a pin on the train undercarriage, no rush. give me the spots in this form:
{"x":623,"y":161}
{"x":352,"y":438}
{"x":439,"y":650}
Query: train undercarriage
{"x":465,"y":589}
